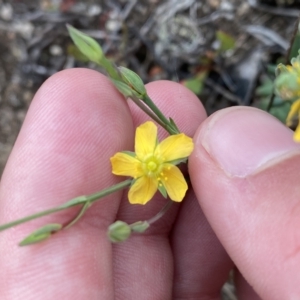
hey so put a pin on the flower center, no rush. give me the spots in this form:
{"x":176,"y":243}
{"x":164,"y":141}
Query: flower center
{"x":152,"y":166}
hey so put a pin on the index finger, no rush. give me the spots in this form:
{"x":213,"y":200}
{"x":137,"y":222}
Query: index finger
{"x":58,"y":155}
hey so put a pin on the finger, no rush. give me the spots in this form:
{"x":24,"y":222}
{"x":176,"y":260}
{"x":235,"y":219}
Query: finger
{"x":244,"y":171}
{"x":201,"y":263}
{"x":76,"y":122}
{"x":147,"y":259}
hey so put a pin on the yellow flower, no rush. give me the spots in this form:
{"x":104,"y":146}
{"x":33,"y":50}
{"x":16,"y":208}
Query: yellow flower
{"x":294,"y":111}
{"x":153,"y":165}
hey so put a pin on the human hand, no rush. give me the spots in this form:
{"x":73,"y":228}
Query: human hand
{"x":244,"y":172}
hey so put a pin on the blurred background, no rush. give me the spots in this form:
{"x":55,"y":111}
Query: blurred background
{"x":225,"y":51}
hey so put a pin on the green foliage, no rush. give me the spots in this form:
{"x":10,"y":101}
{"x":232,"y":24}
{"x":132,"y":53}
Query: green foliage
{"x":295,"y":46}
{"x":227,"y":42}
{"x":77,"y":54}
{"x":40,"y":234}
{"x":118,"y":232}
{"x":87,"y":45}
{"x":123,"y":88}
{"x":133,"y":80}
{"x":279,"y":108}
{"x":196,"y":83}
{"x":163,"y":191}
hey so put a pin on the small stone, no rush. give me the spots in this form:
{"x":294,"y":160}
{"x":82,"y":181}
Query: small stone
{"x":56,"y":50}
{"x":6,"y":12}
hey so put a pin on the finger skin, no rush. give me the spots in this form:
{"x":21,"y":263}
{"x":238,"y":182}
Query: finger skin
{"x":76,"y":122}
{"x":144,"y":264}
{"x":245,"y":173}
{"x":201,"y":263}
{"x":243,"y":290}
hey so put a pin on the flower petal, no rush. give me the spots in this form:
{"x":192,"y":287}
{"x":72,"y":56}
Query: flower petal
{"x":145,"y":139}
{"x":126,"y":165}
{"x":174,"y":182}
{"x":295,"y":108}
{"x":175,"y":147}
{"x":142,"y":190}
{"x":297,"y":134}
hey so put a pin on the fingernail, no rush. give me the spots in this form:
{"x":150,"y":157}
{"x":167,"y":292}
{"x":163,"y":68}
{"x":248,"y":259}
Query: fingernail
{"x":242,"y":140}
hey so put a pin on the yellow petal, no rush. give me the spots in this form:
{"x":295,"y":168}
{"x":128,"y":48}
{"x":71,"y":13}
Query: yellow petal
{"x":145,"y":139}
{"x":142,"y":190}
{"x":125,"y":165}
{"x":174,"y":182}
{"x":295,"y":108}
{"x":175,"y":147}
{"x":297,"y":134}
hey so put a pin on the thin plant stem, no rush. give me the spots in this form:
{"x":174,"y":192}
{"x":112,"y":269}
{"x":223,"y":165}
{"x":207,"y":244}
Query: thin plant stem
{"x":144,"y":108}
{"x":88,"y":199}
{"x":31,"y":217}
{"x":79,"y":215}
{"x":155,"y":109}
{"x":160,"y":213}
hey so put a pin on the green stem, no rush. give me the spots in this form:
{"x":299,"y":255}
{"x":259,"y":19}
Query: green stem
{"x":119,"y":186}
{"x":160,"y":213}
{"x":167,"y":125}
{"x":144,"y":108}
{"x":110,"y":68}
{"x":91,"y":198}
{"x":79,"y":215}
{"x":31,"y":217}
{"x":155,"y":109}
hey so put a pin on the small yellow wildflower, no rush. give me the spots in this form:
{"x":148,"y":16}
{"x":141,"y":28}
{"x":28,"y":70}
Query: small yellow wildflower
{"x":287,"y":86}
{"x":294,"y":111}
{"x":153,"y":165}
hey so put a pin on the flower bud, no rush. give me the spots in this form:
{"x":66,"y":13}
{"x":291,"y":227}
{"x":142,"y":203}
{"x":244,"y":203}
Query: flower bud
{"x":133,"y":80}
{"x":123,"y":88}
{"x":87,"y":45}
{"x":119,"y":232}
{"x":40,"y":234}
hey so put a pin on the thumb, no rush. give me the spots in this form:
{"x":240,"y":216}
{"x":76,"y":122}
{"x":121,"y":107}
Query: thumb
{"x":245,"y":172}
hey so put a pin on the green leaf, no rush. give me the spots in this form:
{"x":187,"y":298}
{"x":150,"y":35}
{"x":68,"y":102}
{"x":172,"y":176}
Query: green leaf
{"x":271,"y":68}
{"x":133,"y":80}
{"x":279,"y":110}
{"x":72,"y":50}
{"x":87,"y":45}
{"x":227,"y":42}
{"x":40,"y":234}
{"x":281,"y":68}
{"x":163,"y":191}
{"x":178,"y":161}
{"x":266,"y":88}
{"x":296,"y":46}
{"x":123,"y":88}
{"x":130,"y":153}
{"x":172,"y":122}
{"x":196,"y":83}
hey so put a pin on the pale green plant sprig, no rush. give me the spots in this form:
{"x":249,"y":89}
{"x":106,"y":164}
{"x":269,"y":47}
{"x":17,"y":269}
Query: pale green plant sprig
{"x":84,"y":201}
{"x":287,"y":86}
{"x":126,"y":81}
{"x":131,"y":86}
{"x":120,"y":231}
